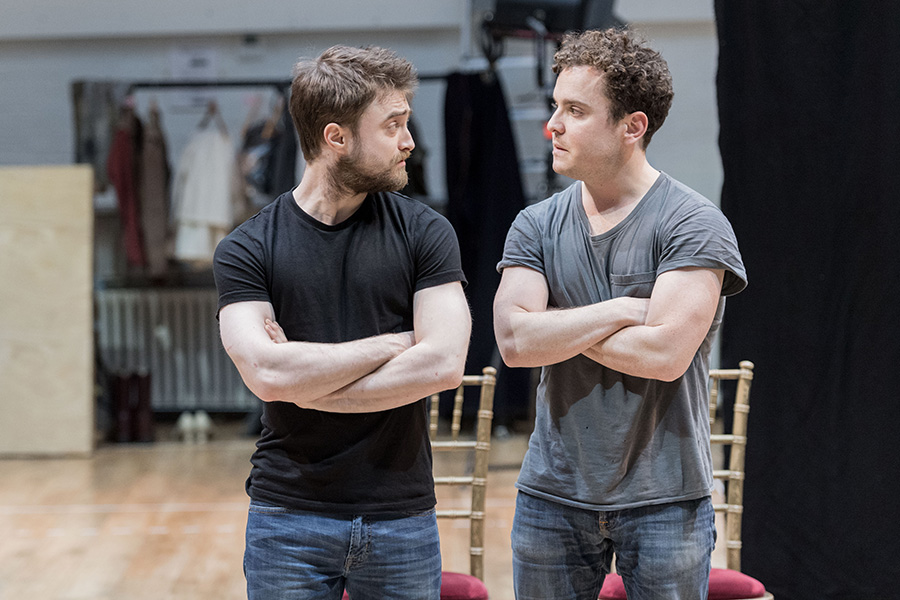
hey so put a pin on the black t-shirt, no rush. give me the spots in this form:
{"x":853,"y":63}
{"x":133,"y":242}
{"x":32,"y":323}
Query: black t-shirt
{"x":335,"y":284}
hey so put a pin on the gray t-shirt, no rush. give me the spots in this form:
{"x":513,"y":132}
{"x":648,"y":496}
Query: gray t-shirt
{"x":602,"y":439}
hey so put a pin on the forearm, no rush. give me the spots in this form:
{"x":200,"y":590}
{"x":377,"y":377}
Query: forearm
{"x":419,"y":372}
{"x":642,"y":352}
{"x":537,"y":338}
{"x":300,"y":372}
{"x":435,"y":363}
{"x":682,"y":310}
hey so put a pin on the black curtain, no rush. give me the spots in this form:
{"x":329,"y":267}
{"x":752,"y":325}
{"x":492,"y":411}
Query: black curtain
{"x":809,"y":108}
{"x":484,"y":188}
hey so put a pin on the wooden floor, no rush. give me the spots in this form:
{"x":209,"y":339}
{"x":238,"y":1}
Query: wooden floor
{"x":166,"y":521}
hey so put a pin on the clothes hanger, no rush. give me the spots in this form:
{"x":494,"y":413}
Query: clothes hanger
{"x":274,"y":117}
{"x":212,"y":113}
{"x":254,"y":101}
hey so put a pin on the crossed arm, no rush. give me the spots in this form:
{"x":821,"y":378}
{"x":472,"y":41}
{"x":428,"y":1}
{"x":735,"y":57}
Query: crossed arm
{"x":366,"y":375}
{"x":655,"y":338}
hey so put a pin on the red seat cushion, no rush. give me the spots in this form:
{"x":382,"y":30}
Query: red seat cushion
{"x":613,"y":588}
{"x":459,"y":586}
{"x":724,"y":584}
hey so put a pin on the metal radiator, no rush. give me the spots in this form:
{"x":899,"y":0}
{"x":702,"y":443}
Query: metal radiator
{"x":172,"y":335}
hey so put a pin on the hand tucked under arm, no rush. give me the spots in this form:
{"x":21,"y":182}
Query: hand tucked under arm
{"x":275,"y":331}
{"x":530,"y":335}
{"x":682,"y":308}
{"x":435,"y":363}
{"x":297,"y":372}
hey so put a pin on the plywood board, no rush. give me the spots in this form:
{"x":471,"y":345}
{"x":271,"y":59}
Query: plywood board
{"x":46,"y":333}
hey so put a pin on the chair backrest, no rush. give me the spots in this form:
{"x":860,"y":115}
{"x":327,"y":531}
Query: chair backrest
{"x":737,"y":442}
{"x":474,"y":474}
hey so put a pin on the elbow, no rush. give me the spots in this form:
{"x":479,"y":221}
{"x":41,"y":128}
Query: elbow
{"x":512,"y":358}
{"x":450,"y":376}
{"x":263,"y":382}
{"x":256,"y":374}
{"x":512,"y":354}
{"x":671,"y":369}
{"x":448,"y":372}
{"x":451,"y":381}
{"x":262,"y":390}
{"x":517,"y":348}
{"x":507,"y":347}
{"x":504,"y":337}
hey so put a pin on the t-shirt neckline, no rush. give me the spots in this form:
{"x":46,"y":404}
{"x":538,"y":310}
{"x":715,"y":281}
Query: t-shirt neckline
{"x":309,"y":219}
{"x":585,"y":223}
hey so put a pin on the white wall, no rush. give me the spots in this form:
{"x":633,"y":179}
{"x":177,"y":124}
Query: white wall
{"x":684,"y":32}
{"x":59,"y":19}
{"x":36,"y":117}
{"x":46,"y":45}
{"x":686,"y":146}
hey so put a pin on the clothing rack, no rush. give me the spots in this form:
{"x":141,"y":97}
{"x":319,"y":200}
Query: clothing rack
{"x":280,"y":84}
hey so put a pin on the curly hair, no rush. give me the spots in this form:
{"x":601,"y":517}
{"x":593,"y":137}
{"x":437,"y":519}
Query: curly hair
{"x":339,"y":85}
{"x":635,"y":77}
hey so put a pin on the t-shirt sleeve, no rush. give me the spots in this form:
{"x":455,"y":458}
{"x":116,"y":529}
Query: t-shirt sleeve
{"x":523,"y":245}
{"x":239,"y":271}
{"x":701,"y":236}
{"x":437,"y":253}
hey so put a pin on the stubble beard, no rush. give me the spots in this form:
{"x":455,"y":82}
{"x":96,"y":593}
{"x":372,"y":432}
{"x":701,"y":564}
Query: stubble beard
{"x":349,"y":175}
{"x":597,"y":168}
{"x":566,"y":168}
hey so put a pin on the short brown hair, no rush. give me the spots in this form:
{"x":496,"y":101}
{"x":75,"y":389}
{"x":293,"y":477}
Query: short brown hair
{"x":635,"y":76}
{"x":339,"y":85}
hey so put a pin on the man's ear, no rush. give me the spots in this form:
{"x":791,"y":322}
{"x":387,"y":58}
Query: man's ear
{"x":635,"y":126}
{"x":337,"y":138}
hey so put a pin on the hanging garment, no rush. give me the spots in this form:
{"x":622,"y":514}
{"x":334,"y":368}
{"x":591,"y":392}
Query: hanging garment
{"x":256,"y":151}
{"x":122,"y":167}
{"x":207,"y":195}
{"x":268,"y":157}
{"x":281,"y":170}
{"x":155,"y":195}
{"x":95,"y":107}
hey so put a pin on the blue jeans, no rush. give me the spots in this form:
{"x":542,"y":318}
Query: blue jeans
{"x":294,"y":554}
{"x":562,"y":552}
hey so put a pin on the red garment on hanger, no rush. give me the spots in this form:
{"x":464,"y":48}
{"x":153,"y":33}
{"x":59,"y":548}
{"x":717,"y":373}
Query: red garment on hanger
{"x":121,"y":167}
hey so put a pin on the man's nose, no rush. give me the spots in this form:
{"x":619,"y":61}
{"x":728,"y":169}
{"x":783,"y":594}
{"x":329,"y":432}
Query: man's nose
{"x":406,"y":141}
{"x":554,"y":125}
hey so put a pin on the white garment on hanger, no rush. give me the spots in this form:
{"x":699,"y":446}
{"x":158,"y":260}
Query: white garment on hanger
{"x":205,"y":195}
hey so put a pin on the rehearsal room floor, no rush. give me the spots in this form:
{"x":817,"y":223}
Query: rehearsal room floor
{"x":165,"y":521}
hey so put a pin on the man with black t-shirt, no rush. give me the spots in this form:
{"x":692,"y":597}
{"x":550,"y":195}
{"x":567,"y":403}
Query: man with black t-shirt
{"x":341,"y":304}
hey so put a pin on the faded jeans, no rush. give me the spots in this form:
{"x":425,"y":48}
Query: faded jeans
{"x":294,"y":554}
{"x":562,"y":552}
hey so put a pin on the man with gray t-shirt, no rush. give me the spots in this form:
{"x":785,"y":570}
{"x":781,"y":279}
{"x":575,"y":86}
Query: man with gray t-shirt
{"x":615,"y":287}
